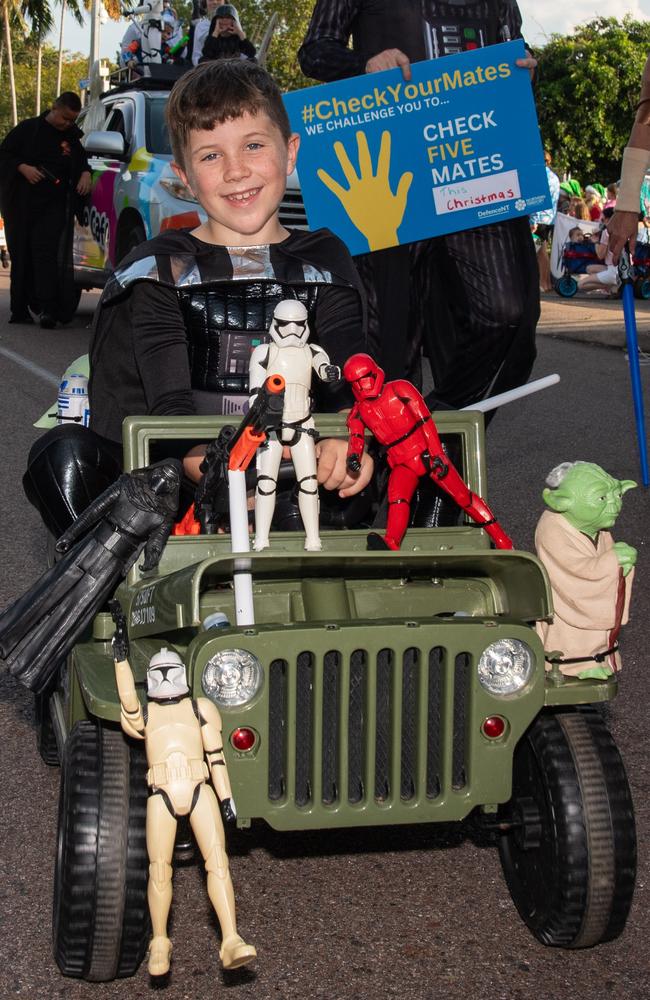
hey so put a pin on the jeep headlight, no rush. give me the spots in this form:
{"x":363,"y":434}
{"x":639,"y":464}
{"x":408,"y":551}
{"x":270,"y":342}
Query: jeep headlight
{"x":505,"y":666}
{"x":232,"y":677}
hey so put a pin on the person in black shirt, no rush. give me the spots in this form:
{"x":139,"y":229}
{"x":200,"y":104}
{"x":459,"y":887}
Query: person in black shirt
{"x":470,"y":300}
{"x":42,"y":167}
{"x":226,"y":38}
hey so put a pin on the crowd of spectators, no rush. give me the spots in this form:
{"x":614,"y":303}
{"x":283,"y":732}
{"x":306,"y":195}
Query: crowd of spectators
{"x":216,"y":34}
{"x":594,"y":203}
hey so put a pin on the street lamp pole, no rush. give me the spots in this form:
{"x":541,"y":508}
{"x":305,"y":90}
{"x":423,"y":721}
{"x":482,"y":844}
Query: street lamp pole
{"x":95,"y":28}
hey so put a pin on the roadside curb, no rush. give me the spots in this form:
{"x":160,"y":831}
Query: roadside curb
{"x":592,"y":321}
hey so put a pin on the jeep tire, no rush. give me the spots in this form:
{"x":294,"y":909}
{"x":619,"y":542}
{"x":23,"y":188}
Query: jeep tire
{"x":100,"y":918}
{"x":569,"y":858}
{"x":45,"y":734}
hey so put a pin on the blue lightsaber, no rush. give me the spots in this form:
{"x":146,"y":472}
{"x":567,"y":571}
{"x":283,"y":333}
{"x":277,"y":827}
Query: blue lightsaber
{"x":626,"y":276}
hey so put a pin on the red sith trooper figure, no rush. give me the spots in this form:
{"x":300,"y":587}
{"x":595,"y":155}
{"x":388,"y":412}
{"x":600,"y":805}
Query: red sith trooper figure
{"x":397,"y":415}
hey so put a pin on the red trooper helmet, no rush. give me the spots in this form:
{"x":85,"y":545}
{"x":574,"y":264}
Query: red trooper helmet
{"x":364,"y":375}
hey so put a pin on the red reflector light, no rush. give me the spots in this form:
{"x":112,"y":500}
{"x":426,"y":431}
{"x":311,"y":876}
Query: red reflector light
{"x":243,"y":739}
{"x":494,"y":726}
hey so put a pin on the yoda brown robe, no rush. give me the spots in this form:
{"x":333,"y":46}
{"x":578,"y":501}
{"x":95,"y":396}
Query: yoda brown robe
{"x":591,"y":597}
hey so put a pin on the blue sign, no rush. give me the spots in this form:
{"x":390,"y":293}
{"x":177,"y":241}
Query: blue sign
{"x":384,"y":161}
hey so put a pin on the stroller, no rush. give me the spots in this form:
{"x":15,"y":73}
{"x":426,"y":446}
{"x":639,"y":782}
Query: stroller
{"x":569,"y":259}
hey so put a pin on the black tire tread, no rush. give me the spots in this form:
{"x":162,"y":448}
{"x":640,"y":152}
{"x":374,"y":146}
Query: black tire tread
{"x":592,"y":836}
{"x":74,"y":883}
{"x":112,"y":827}
{"x":45,"y":735}
{"x":100,"y":918}
{"x":137,"y":924}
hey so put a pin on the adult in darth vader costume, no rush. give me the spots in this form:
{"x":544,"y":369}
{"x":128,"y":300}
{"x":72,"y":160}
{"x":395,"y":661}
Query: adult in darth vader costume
{"x":469,"y":300}
{"x":135,"y":513}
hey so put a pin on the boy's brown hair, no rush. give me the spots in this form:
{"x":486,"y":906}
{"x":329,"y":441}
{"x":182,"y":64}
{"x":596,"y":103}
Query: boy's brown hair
{"x":218,"y":91}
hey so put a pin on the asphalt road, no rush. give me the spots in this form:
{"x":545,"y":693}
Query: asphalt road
{"x":417,"y":913}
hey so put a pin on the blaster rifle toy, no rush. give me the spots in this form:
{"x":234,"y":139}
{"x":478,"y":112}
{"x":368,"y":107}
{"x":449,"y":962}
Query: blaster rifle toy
{"x":264,"y":416}
{"x":233,"y":450}
{"x":48,"y":175}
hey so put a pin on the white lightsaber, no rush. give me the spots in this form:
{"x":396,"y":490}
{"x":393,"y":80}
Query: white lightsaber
{"x":240,"y":542}
{"x":485,"y":405}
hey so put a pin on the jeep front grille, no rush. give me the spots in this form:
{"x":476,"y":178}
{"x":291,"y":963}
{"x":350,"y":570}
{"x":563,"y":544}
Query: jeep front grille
{"x":362,"y":728}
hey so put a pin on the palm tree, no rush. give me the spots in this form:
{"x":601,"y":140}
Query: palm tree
{"x":40,"y":15}
{"x":10,"y":11}
{"x":77,"y":12}
{"x":13,"y":13}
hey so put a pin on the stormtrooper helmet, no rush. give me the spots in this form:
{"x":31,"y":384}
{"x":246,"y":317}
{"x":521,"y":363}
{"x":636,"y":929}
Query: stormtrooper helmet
{"x":166,"y":677}
{"x":289,"y":326}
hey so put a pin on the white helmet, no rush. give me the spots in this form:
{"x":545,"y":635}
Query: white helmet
{"x":289,"y":326}
{"x":166,"y":677}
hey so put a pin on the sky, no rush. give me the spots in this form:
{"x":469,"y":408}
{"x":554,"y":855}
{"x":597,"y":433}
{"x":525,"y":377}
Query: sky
{"x":540,"y":21}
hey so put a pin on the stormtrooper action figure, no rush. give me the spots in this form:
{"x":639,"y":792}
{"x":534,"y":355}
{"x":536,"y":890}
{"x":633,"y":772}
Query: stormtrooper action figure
{"x":179,"y":733}
{"x":291,"y":356}
{"x":400,"y":420}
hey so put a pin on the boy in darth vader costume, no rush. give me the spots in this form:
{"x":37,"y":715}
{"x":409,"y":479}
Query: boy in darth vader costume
{"x":135,"y":513}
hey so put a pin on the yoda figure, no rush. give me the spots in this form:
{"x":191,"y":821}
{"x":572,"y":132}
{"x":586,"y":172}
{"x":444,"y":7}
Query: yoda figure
{"x":591,"y":574}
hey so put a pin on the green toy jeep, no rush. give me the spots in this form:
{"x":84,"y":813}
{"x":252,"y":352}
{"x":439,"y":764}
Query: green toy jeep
{"x":374,"y":688}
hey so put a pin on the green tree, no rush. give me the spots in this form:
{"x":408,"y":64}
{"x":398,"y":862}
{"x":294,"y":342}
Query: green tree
{"x":588,"y":88}
{"x":293,"y":18}
{"x":75,"y":67}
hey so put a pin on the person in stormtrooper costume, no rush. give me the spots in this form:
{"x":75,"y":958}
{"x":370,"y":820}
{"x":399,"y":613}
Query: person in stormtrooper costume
{"x":469,"y":301}
{"x":290,"y":356}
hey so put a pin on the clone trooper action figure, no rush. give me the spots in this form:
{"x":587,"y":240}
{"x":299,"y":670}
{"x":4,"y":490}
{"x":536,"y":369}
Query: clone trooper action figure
{"x":179,"y":733}
{"x":291,"y":356}
{"x":400,"y":420}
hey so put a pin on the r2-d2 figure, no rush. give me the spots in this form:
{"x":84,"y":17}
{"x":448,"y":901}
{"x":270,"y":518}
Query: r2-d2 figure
{"x":72,"y":401}
{"x":291,"y":356}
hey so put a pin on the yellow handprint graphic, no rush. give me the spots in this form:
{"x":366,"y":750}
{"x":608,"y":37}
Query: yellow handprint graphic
{"x":369,"y":202}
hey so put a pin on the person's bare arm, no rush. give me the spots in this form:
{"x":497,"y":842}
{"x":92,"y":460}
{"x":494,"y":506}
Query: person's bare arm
{"x":636,"y":158}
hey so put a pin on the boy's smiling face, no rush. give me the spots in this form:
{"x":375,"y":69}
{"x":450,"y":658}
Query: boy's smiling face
{"x":238,"y":172}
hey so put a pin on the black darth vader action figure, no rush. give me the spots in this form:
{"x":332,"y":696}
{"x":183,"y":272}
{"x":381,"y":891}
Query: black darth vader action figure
{"x":135,"y":513}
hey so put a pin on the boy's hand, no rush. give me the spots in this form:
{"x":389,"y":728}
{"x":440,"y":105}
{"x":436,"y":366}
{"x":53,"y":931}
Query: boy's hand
{"x":332,"y":472}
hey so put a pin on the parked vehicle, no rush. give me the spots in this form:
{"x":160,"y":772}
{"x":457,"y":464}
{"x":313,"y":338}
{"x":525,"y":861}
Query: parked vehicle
{"x":374,"y":688}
